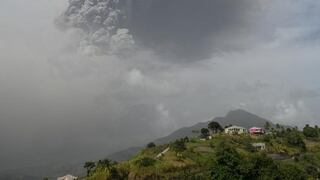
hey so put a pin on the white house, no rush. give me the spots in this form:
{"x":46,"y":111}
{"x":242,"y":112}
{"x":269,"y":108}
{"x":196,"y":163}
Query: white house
{"x":67,"y":177}
{"x":235,"y":130}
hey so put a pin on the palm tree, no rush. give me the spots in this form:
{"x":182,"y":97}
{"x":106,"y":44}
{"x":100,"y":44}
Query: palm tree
{"x":89,"y":165}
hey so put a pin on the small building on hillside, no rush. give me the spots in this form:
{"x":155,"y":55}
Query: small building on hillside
{"x":259,"y":146}
{"x":235,"y":130}
{"x":67,"y":177}
{"x":256,"y":131}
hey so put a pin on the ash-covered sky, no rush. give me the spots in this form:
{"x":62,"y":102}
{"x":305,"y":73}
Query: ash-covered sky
{"x":82,"y":78}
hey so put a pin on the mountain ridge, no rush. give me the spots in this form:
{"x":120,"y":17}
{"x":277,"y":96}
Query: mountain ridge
{"x":235,"y":117}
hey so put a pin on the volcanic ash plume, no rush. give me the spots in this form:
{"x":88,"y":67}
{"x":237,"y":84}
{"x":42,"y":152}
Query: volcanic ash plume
{"x":103,"y":23}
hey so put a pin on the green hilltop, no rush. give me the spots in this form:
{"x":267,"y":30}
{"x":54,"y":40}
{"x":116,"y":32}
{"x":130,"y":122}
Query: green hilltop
{"x":239,"y":117}
{"x":289,"y":153}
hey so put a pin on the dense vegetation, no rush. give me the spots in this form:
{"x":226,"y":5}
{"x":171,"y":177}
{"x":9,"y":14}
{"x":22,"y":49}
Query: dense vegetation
{"x":289,"y":154}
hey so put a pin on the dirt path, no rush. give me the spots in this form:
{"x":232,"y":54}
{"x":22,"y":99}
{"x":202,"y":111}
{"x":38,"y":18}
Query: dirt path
{"x":163,"y":152}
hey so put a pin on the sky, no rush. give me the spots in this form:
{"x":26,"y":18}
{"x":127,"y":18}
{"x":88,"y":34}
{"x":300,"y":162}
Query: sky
{"x":81,"y":79}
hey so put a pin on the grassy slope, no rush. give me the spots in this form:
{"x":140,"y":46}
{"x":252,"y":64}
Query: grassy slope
{"x":198,"y":156}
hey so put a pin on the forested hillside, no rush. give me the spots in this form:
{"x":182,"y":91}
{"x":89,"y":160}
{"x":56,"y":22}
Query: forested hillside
{"x":289,"y":154}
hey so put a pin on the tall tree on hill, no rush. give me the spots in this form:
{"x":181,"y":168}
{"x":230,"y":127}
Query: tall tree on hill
{"x":310,"y":132}
{"x":89,"y":165}
{"x":204,"y":132}
{"x":267,"y":126}
{"x":215,"y":127}
{"x":106,"y":163}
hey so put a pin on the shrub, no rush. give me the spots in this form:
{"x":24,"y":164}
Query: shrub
{"x":114,"y":174}
{"x":290,"y":171}
{"x":224,"y":172}
{"x":205,"y":132}
{"x":106,"y":163}
{"x":151,"y":145}
{"x":227,"y":162}
{"x":89,"y":165}
{"x":294,"y":138}
{"x":179,"y":145}
{"x":145,"y":162}
{"x":186,"y":139}
{"x":312,"y":171}
{"x":310,"y":132}
{"x":258,"y":166}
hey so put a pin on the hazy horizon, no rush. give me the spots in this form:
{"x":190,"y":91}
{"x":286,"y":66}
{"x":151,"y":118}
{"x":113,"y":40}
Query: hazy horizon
{"x":80,"y":79}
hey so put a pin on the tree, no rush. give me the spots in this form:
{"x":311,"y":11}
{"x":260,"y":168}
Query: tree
{"x":291,"y":171}
{"x":89,"y":165}
{"x":114,"y":174}
{"x":151,"y":145}
{"x":226,"y":165}
{"x":204,"y":132}
{"x":106,"y":163}
{"x":317,"y":128}
{"x":179,"y":145}
{"x":186,"y":139}
{"x":294,"y":138}
{"x":145,"y":162}
{"x":267,"y":126}
{"x":227,"y":155}
{"x":258,"y":166}
{"x":224,"y":173}
{"x":310,"y":132}
{"x":215,"y":127}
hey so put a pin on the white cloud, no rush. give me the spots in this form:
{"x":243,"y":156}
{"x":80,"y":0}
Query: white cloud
{"x":135,"y":77}
{"x":290,"y":113}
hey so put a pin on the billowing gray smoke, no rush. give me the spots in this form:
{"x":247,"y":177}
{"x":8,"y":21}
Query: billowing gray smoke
{"x":186,"y":29}
{"x":103,"y":21}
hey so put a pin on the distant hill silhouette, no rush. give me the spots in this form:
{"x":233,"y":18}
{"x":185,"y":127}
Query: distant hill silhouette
{"x":124,"y":154}
{"x":242,"y":118}
{"x":236,"y":117}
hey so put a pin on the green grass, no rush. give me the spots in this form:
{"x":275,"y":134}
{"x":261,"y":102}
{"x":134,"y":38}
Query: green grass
{"x":199,"y":156}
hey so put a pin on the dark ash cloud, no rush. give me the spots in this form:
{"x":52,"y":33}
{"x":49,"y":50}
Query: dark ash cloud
{"x":188,"y":31}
